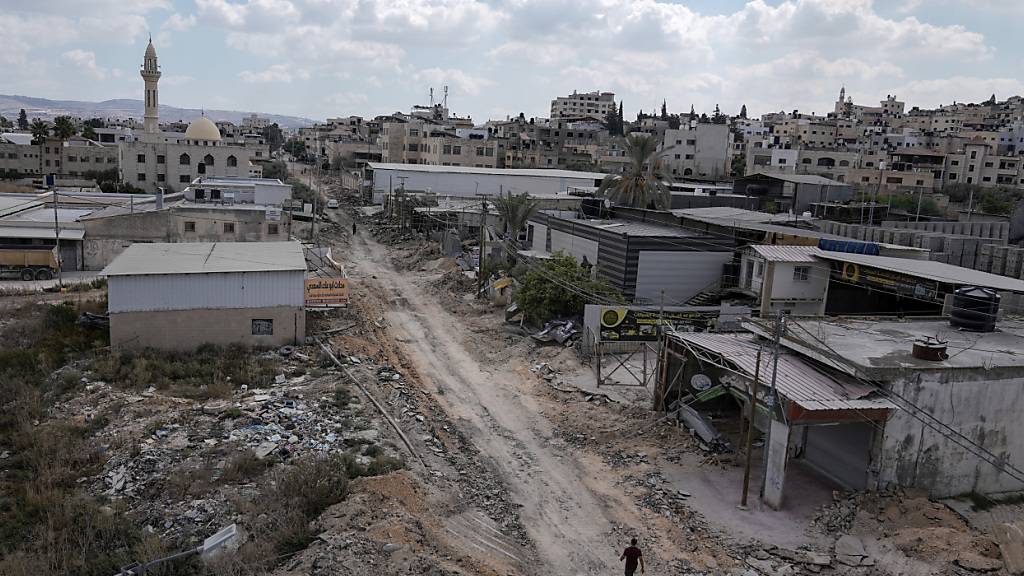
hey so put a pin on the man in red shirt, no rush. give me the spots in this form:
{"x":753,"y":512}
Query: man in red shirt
{"x":632,"y":556}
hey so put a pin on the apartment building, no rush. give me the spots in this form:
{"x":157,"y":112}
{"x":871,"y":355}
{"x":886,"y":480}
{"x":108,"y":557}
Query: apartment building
{"x":576,"y":105}
{"x":699,"y":150}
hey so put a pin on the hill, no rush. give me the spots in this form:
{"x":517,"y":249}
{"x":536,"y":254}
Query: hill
{"x":125,"y":108}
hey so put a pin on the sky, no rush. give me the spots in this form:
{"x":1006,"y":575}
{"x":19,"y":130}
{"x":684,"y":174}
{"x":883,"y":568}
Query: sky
{"x":327,"y":58}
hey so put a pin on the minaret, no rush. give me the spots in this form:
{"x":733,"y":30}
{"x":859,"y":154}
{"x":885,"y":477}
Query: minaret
{"x":151,"y":75}
{"x":842,"y":94}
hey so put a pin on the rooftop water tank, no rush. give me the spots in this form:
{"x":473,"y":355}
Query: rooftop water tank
{"x":974,"y":308}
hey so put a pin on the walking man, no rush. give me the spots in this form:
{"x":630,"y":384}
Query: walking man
{"x":353,"y":228}
{"x":632,"y":556}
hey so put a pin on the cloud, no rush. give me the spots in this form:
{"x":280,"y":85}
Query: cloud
{"x":179,"y":23}
{"x":279,"y":73}
{"x":175,"y":80}
{"x":86,"y":62}
{"x":463,"y":82}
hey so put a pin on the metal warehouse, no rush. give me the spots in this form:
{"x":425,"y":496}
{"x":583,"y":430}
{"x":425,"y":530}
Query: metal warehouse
{"x":178,"y":296}
{"x":466,"y":181}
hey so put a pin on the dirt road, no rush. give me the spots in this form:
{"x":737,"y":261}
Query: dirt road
{"x":567,"y":509}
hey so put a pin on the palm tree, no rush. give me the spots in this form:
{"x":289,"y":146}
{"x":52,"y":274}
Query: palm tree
{"x":64,"y":127}
{"x":40,"y":130}
{"x":643,"y":182}
{"x":515,"y":210}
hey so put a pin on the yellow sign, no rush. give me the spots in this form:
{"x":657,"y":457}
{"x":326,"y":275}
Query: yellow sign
{"x":326,"y":291}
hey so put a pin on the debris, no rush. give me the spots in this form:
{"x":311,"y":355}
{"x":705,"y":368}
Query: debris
{"x":265,"y":449}
{"x":556,"y":330}
{"x":705,"y":431}
{"x":977,"y":562}
{"x":286,"y":351}
{"x":93,"y":320}
{"x":1010,"y":537}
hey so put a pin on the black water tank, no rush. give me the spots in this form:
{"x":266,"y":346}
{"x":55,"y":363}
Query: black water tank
{"x":756,"y":190}
{"x":975,"y":309}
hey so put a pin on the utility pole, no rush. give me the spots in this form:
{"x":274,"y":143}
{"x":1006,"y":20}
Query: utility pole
{"x":750,"y":430}
{"x":780,"y":326}
{"x":920,"y":196}
{"x":970,"y":204}
{"x":56,"y":237}
{"x":483,"y":243}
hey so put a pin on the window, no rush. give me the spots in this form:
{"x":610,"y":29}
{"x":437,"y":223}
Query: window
{"x":414,"y":147}
{"x":954,"y":162}
{"x":141,"y":177}
{"x":140,"y":158}
{"x":988,"y":164}
{"x":72,"y":158}
{"x":678,"y":156}
{"x":232,"y":161}
{"x":447,"y":149}
{"x":479,"y":151}
{"x":215,"y":194}
{"x":184,"y":179}
{"x":272,"y":229}
{"x":414,"y":132}
{"x":691,"y":142}
{"x":208,"y":160}
{"x":190,"y":226}
{"x":801,"y":273}
{"x":229,"y":227}
{"x":160,"y":159}
{"x":262,"y":327}
{"x":184,"y":160}
{"x":456,"y":149}
{"x":974,"y":154}
{"x":894,"y":180}
{"x":782,"y":160}
{"x":161,"y":177}
{"x":759,"y":269}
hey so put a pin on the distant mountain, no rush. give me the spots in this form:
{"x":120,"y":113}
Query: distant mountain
{"x":125,"y":108}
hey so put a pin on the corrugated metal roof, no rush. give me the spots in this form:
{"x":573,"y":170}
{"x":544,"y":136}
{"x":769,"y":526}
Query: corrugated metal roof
{"x":19,"y":138}
{"x":796,"y":380}
{"x":801,"y":178}
{"x":734,"y":214}
{"x":773,"y":253}
{"x":931,"y":270}
{"x":541,"y":172}
{"x":207,"y":257}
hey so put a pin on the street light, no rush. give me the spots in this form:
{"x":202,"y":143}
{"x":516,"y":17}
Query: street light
{"x":208,"y":547}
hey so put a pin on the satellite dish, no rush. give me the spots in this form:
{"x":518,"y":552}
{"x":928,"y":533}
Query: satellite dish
{"x":700,"y":382}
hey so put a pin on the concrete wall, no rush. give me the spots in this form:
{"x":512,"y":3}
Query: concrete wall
{"x":189,"y":329}
{"x":983,"y":406}
{"x":681,"y":275}
{"x":574,"y":246}
{"x":105,"y":238}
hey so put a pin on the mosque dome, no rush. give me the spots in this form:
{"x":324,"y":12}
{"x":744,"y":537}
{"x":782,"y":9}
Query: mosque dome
{"x":202,"y":129}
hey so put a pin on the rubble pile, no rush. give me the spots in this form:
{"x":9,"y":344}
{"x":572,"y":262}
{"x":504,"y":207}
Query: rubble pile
{"x":165,"y":456}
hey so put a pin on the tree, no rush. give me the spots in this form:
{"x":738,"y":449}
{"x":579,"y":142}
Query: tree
{"x":95,"y":123}
{"x":40,"y":130}
{"x":693,"y":113}
{"x":273,"y":136}
{"x":5,"y":124}
{"x":89,"y":133}
{"x":611,"y":122}
{"x":674,"y":122}
{"x":664,"y":110}
{"x":64,"y":127}
{"x":296,"y":148}
{"x":718,"y":117}
{"x":738,"y":165}
{"x":515,"y":210}
{"x":276,"y":169}
{"x":643,"y":183}
{"x":743,"y":111}
{"x":560,"y":287}
{"x":22,"y":120}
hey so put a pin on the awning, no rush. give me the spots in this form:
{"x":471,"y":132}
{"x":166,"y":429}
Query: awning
{"x":40,"y":233}
{"x":814,"y":395}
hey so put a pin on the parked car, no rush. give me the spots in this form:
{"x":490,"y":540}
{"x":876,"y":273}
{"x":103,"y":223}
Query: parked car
{"x":332,"y":204}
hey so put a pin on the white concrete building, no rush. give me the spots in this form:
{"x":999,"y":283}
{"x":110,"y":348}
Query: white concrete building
{"x":576,"y":105}
{"x":259,"y":191}
{"x":698,"y":151}
{"x":787,"y":278}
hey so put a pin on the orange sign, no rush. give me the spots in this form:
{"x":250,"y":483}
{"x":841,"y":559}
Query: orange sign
{"x":326,"y":291}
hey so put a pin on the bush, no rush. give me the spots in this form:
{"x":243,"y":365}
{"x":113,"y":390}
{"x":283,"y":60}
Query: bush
{"x":210,"y":372}
{"x":560,"y":287}
{"x":244,"y":467}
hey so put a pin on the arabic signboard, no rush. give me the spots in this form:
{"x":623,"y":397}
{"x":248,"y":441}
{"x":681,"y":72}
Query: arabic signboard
{"x":637,"y":325}
{"x":326,"y":291}
{"x":888,"y":280}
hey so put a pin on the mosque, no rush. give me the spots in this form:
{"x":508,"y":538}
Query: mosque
{"x":172,"y":160}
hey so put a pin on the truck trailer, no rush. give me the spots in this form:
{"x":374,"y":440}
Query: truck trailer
{"x":29,"y":262}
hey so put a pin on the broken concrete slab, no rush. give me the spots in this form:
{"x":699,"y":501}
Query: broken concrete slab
{"x":1010,"y":537}
{"x":849,"y":545}
{"x":265,"y":449}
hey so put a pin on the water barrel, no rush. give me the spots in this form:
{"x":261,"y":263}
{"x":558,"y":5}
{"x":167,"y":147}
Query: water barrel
{"x":975,"y":309}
